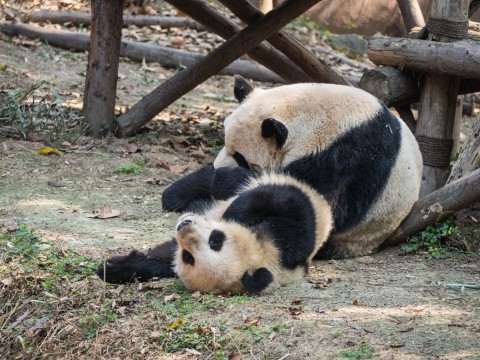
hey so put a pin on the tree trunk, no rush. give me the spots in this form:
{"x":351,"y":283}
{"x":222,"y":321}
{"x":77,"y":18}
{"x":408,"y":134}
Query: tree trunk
{"x":102,"y":72}
{"x":438,"y":205}
{"x":184,"y":81}
{"x":314,"y":67}
{"x":264,"y":53}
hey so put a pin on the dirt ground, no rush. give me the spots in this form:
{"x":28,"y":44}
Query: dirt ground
{"x":396,"y":307}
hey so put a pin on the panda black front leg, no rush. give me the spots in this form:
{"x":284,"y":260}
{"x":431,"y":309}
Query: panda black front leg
{"x":190,"y":193}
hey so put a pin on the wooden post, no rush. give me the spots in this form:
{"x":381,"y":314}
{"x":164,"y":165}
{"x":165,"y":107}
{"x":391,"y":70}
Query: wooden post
{"x":186,"y":80}
{"x":411,"y":13}
{"x":102,"y":71}
{"x":448,"y":22}
{"x":264,"y":53}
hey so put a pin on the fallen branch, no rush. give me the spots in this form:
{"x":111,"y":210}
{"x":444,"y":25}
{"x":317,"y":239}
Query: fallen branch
{"x":79,"y":18}
{"x":438,"y":205}
{"x":167,"y":57}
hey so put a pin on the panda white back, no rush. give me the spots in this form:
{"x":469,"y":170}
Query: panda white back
{"x":342,"y":142}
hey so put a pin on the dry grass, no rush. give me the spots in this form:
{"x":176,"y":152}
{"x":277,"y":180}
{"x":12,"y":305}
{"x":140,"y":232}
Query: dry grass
{"x":38,"y":113}
{"x":52,"y":305}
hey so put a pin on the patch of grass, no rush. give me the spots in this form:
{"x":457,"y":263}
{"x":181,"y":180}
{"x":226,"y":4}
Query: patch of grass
{"x":337,"y":334}
{"x":305,"y":21}
{"x":362,"y":351}
{"x":38,"y":113}
{"x":133,"y":168}
{"x":434,"y":241}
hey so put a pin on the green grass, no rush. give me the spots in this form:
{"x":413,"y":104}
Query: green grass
{"x":435,"y":240}
{"x":362,"y":351}
{"x":133,"y":168}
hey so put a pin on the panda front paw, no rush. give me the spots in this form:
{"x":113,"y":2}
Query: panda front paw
{"x":122,"y":269}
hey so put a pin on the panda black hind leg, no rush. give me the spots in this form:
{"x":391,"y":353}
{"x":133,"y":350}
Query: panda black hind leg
{"x":138,"y":266}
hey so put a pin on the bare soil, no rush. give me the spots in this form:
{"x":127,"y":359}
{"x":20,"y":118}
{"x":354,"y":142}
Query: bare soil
{"x":398,"y":306}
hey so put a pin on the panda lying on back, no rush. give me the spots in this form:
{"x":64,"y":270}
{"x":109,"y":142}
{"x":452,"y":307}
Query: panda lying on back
{"x":258,"y":240}
{"x":340,"y":141}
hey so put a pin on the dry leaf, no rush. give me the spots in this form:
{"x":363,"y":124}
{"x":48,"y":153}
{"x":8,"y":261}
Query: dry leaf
{"x":155,"y":334}
{"x":235,"y":356}
{"x":357,"y":302}
{"x":105,"y":212}
{"x":297,"y":301}
{"x":177,"y":169}
{"x":295,"y":310}
{"x":176,"y":324}
{"x":132,"y":148}
{"x":49,"y":151}
{"x":193,"y":352}
{"x":55,"y":184}
{"x":152,"y":285}
{"x":171,"y":297}
{"x":251,"y":323}
{"x":398,"y":346}
{"x":351,"y":343}
{"x":40,"y":325}
{"x":272,"y":336}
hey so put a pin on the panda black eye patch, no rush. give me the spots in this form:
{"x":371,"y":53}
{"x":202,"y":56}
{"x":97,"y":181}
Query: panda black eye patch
{"x":188,"y":258}
{"x":241,"y":161}
{"x":216,"y":240}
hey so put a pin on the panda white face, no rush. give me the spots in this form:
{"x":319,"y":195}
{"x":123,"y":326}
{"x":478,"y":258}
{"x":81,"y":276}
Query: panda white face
{"x":213,"y":256}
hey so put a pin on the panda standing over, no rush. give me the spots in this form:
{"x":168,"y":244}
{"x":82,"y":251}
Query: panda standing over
{"x":339,"y":141}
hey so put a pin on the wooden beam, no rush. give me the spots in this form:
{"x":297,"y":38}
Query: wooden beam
{"x":186,"y":80}
{"x":399,"y":88}
{"x":411,"y":13}
{"x":309,"y":63}
{"x":264,"y":53}
{"x":438,"y":205}
{"x":459,"y":58}
{"x":102,"y":72}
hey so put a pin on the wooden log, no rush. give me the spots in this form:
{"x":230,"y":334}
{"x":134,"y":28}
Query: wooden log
{"x":184,"y":81}
{"x":309,"y":63}
{"x":448,"y":22}
{"x":438,"y":205}
{"x":398,"y":88}
{"x":460,"y":58}
{"x":392,"y":86}
{"x":264,"y":53}
{"x":411,"y":13}
{"x":469,"y":159}
{"x":102,"y":71}
{"x":167,"y":57}
{"x":79,"y":18}
{"x":473,"y":8}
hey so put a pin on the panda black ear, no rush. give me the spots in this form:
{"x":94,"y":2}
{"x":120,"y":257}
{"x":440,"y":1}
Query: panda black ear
{"x":242,"y":88}
{"x":272,"y":127}
{"x":259,"y":281}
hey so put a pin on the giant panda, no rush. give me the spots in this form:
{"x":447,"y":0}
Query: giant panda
{"x":340,"y":140}
{"x":257,"y":240}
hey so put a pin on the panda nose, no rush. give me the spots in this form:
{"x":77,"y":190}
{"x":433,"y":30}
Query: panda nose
{"x":183,"y":223}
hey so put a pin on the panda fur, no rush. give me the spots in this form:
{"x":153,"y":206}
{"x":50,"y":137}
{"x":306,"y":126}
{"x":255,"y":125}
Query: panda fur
{"x":261,"y":238}
{"x":340,"y":140}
